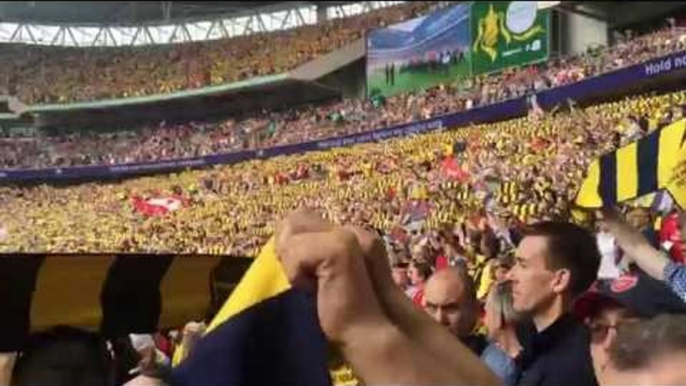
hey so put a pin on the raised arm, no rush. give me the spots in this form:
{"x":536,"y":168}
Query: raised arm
{"x":383,"y":336}
{"x":653,"y":261}
{"x":418,"y":326}
{"x":632,"y":242}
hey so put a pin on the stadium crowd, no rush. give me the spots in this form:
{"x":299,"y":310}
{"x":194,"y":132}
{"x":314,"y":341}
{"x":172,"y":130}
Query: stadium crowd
{"x":463,"y":245}
{"x":462,"y":215}
{"x":473,"y":228}
{"x":539,"y":317}
{"x":61,"y":75}
{"x":267,"y":129}
{"x":526,"y":169}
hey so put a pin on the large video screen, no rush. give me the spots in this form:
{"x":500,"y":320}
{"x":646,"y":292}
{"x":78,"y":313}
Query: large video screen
{"x":420,"y":52}
{"x":455,"y":43}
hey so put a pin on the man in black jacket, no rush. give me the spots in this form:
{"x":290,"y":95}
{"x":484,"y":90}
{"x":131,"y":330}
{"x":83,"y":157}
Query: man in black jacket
{"x":555,"y":263}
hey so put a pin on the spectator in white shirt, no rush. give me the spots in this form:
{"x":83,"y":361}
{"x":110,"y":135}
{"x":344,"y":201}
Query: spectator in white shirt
{"x":611,"y":255}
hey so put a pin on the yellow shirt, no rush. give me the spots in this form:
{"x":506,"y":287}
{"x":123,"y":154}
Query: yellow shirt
{"x":485,"y":281}
{"x":343,"y":376}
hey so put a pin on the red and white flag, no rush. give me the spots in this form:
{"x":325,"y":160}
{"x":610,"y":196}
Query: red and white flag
{"x":157,"y":206}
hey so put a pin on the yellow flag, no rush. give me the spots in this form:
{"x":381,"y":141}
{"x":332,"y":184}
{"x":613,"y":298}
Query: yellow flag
{"x":653,"y":163}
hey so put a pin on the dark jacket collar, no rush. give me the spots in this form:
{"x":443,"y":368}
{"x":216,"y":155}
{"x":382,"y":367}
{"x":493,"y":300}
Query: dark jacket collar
{"x":476,"y":343}
{"x":534,"y":342}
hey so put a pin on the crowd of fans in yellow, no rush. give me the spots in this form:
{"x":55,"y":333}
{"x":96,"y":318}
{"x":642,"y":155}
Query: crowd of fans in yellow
{"x":520,"y":170}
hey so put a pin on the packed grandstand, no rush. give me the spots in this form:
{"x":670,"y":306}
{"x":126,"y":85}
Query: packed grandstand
{"x":439,"y":198}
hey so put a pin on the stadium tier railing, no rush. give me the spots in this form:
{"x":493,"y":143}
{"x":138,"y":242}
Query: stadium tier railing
{"x":200,"y":92}
{"x":594,"y":87}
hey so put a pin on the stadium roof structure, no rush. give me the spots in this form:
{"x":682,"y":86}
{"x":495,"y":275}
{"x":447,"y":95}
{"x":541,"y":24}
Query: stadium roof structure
{"x":133,"y":12}
{"x":126,"y":23}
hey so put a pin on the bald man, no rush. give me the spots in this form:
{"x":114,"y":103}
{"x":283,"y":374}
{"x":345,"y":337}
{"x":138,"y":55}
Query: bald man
{"x":450,"y":298}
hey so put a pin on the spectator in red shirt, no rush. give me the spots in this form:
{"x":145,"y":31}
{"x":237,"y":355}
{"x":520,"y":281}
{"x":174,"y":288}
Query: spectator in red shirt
{"x":419,"y":274}
{"x":670,"y":237}
{"x":441,"y":262}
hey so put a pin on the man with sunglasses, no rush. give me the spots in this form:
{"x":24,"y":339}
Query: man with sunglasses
{"x":611,"y":303}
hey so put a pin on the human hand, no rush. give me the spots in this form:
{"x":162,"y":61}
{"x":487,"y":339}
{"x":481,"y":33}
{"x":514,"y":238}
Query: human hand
{"x":192,"y":332}
{"x":375,"y":259}
{"x":609,"y":216}
{"x":338,"y":262}
{"x":7,"y":361}
{"x":329,"y":260}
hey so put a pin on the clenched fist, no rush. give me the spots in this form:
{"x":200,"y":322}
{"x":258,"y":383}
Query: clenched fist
{"x":330,"y":260}
{"x":361,"y":310}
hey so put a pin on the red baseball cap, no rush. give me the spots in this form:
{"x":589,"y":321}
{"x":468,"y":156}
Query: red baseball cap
{"x":636,"y":291}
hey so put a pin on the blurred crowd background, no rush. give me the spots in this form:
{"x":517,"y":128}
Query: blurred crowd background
{"x":451,"y":199}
